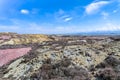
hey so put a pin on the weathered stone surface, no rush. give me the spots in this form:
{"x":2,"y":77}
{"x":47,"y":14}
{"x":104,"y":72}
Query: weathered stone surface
{"x":63,"y":58}
{"x":13,"y":39}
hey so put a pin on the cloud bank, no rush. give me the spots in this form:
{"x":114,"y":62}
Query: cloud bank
{"x":95,"y":6}
{"x":42,"y":29}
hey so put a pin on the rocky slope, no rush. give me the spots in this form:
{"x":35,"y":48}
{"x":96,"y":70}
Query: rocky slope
{"x":14,"y":39}
{"x":59,"y":57}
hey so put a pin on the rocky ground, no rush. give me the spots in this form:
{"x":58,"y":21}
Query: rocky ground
{"x":57,"y":57}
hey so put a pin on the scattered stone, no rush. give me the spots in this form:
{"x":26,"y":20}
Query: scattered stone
{"x":43,"y":57}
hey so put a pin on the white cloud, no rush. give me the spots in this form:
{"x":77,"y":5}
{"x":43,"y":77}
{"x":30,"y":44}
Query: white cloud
{"x":8,"y":27}
{"x":67,"y":19}
{"x":38,"y":28}
{"x":109,"y":27}
{"x":115,"y":11}
{"x":105,"y":15}
{"x":64,"y":18}
{"x":95,"y":6}
{"x":50,"y":28}
{"x":24,"y":11}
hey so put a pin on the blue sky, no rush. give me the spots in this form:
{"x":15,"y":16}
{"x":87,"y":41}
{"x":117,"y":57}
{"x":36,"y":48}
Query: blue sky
{"x":59,"y":16}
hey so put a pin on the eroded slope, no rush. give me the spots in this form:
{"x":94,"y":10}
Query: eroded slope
{"x":67,"y":58}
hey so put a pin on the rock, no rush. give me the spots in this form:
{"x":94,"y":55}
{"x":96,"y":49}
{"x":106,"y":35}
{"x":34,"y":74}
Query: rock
{"x":24,"y":39}
{"x":59,"y":57}
{"x":107,"y":74}
{"x":115,"y":38}
{"x":112,"y":61}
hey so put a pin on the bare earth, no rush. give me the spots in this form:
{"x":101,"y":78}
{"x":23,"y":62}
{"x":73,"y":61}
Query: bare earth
{"x":59,"y":57}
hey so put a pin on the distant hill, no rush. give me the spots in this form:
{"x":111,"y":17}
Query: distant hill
{"x":99,"y":33}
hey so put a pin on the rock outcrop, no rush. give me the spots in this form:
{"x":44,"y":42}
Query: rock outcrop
{"x":62,"y":58}
{"x":14,"y":39}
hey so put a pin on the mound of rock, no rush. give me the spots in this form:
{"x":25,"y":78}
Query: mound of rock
{"x":62,"y":58}
{"x":15,"y":39}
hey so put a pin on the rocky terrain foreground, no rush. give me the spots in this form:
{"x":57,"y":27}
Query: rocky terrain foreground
{"x":57,"y":57}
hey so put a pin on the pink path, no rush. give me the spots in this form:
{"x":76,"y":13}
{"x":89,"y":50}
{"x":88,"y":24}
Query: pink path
{"x":8,"y":55}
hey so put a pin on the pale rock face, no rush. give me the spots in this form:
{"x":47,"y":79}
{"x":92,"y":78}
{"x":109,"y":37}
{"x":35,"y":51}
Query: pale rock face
{"x":10,"y":42}
{"x":71,"y":52}
{"x":14,"y":39}
{"x":89,"y":56}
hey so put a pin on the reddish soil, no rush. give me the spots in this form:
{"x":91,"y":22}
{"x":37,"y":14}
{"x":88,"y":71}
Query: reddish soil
{"x":5,"y":37}
{"x":8,"y":55}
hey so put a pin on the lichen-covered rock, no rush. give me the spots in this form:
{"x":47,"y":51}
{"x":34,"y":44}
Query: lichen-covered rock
{"x":62,"y":58}
{"x":13,"y":39}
